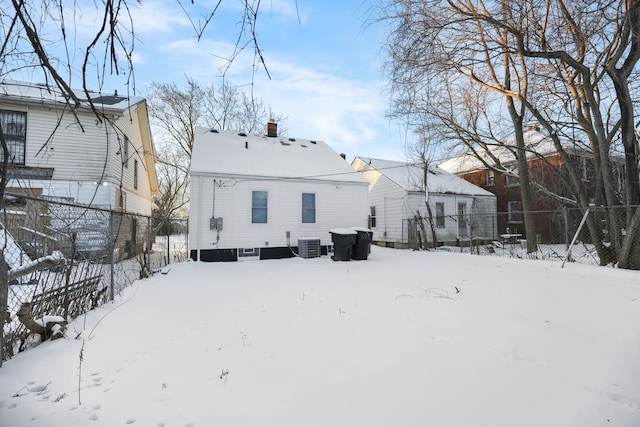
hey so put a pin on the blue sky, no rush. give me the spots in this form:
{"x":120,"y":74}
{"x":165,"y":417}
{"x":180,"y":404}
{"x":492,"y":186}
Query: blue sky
{"x":325,"y":65}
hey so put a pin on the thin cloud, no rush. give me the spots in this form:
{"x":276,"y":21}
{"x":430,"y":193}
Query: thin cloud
{"x":151,"y":17}
{"x":345,"y":113}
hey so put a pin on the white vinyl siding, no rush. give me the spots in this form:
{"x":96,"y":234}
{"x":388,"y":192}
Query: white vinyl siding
{"x":337,"y":206}
{"x":396,"y":208}
{"x":389,"y":200}
{"x":74,"y":154}
{"x":125,"y":150}
{"x":85,"y":165}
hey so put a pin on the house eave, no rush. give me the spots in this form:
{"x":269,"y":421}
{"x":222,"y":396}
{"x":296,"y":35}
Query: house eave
{"x":245,"y":177}
{"x":40,"y":95}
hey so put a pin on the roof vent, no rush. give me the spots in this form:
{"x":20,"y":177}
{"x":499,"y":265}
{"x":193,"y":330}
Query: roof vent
{"x":284,"y":143}
{"x":313,"y":142}
{"x":213,"y":130}
{"x":242,"y":134}
{"x":292,"y":139}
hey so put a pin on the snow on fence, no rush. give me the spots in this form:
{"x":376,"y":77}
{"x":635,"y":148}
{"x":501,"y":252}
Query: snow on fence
{"x":65,"y":259}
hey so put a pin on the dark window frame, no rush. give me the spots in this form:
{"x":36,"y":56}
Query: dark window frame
{"x":514,"y":211}
{"x":125,"y":151}
{"x":14,"y":127}
{"x":372,"y":217}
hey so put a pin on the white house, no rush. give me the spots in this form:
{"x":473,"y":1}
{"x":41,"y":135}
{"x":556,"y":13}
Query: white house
{"x":459,"y":211}
{"x":63,"y":152}
{"x":260,"y":196}
{"x":67,"y":153}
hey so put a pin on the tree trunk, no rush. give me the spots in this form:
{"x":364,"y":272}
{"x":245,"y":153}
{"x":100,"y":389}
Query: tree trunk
{"x":525,"y":181}
{"x":432,"y":225}
{"x":630,"y":251}
{"x":423,"y":230}
{"x":521,"y":148}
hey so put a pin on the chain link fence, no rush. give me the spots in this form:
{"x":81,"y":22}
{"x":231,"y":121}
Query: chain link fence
{"x":64,"y":259}
{"x":564,"y":234}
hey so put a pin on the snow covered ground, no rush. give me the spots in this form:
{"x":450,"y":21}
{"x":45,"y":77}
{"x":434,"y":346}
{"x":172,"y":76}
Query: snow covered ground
{"x":403,"y":339}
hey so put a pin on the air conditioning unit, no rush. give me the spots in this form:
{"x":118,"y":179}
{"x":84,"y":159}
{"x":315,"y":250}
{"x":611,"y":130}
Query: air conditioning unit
{"x":309,"y":248}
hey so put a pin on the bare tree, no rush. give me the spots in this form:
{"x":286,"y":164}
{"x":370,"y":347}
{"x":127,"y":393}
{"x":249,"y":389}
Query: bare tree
{"x":570,"y":66}
{"x":177,"y":112}
{"x":31,"y":32}
{"x":172,"y":183}
{"x":430,"y":56}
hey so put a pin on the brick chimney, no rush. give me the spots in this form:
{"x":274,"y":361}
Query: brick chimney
{"x":272,"y":128}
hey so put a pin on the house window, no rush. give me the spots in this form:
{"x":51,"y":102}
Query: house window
{"x":125,"y":151}
{"x":259,"y":204}
{"x":14,"y":127}
{"x":372,"y":217}
{"x":135,"y":174}
{"x":514,"y":211}
{"x":308,"y":208}
{"x":512,"y":180}
{"x":439,"y":215}
{"x":490,"y":177}
{"x":463,"y":230}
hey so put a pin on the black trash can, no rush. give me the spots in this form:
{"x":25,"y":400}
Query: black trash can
{"x":362,"y":246}
{"x":343,"y":241}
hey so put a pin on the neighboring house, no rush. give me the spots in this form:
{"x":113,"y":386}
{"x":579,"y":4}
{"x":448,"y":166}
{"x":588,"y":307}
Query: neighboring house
{"x":257,"y":196}
{"x":460,"y":212}
{"x":64,"y":153}
{"x":546,"y":171}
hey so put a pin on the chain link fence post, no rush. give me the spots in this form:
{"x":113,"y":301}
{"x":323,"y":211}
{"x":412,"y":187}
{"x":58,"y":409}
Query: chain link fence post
{"x":149,"y":243}
{"x":566,"y":227}
{"x":112,"y":253}
{"x":4,"y":296}
{"x":168,"y":232}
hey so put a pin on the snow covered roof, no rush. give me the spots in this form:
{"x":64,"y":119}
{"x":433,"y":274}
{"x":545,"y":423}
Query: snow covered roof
{"x":409,"y":176}
{"x":239,"y":154}
{"x":537,"y":142}
{"x":26,"y":92}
